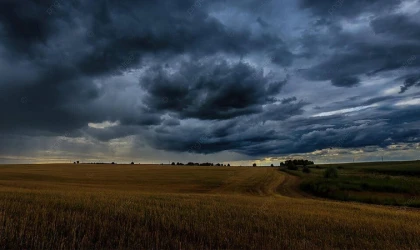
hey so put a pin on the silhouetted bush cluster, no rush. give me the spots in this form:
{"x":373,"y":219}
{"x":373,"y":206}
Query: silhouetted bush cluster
{"x":295,"y":164}
{"x":200,"y":164}
{"x":331,"y":172}
{"x":299,"y":162}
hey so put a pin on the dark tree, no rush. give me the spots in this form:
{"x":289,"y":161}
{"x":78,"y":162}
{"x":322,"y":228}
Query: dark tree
{"x":298,"y":162}
{"x":173,"y":163}
{"x":132,"y":163}
{"x":206,"y":164}
{"x":291,"y":165}
{"x":254,"y":165}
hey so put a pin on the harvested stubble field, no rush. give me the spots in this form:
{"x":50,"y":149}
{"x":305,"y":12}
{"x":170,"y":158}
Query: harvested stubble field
{"x":65,"y":206}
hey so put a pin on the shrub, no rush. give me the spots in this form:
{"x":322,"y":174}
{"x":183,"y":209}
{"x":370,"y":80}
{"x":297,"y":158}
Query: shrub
{"x":306,"y":170}
{"x":331,"y":172}
{"x":291,"y":166}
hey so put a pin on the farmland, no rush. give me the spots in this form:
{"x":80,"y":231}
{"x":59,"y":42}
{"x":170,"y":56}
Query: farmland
{"x":63,"y":206}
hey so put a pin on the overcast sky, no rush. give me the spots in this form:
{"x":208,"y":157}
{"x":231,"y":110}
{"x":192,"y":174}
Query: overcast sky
{"x":222,"y":81}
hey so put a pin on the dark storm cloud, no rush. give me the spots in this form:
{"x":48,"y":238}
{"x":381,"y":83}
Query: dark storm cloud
{"x":362,"y":59}
{"x":345,"y":81}
{"x":144,"y":119}
{"x":282,"y":56}
{"x":329,"y":8}
{"x":25,"y":24}
{"x":110,"y":38}
{"x":162,"y":28}
{"x":219,"y":137}
{"x":350,"y":55}
{"x":300,"y":135}
{"x":262,"y":22}
{"x":171,"y":122}
{"x":351,"y":134}
{"x":398,"y":25}
{"x":45,"y":104}
{"x":378,"y":99}
{"x":288,"y":100}
{"x":214,"y":89}
{"x":278,"y":112}
{"x":410,"y":81}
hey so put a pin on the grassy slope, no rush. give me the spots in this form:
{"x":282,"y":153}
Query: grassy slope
{"x":387,"y":183}
{"x":104,"y":206}
{"x":404,"y":168}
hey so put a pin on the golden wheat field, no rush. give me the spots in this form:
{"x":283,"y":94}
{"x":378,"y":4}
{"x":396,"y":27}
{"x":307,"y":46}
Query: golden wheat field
{"x":66,"y":206}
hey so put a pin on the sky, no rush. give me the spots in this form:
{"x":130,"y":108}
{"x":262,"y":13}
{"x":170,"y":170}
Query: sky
{"x":221,"y":81}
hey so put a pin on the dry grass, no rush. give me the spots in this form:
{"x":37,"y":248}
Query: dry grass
{"x":166,"y":207}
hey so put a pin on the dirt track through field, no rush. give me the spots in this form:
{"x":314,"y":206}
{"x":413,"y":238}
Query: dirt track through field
{"x":262,"y":182}
{"x":254,"y":181}
{"x":290,"y":187}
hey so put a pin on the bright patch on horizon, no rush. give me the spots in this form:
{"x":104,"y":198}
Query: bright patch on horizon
{"x":103,"y":125}
{"x":344,"y":111}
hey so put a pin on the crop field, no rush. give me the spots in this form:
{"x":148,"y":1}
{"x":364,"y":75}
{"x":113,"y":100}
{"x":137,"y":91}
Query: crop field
{"x":66,"y":206}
